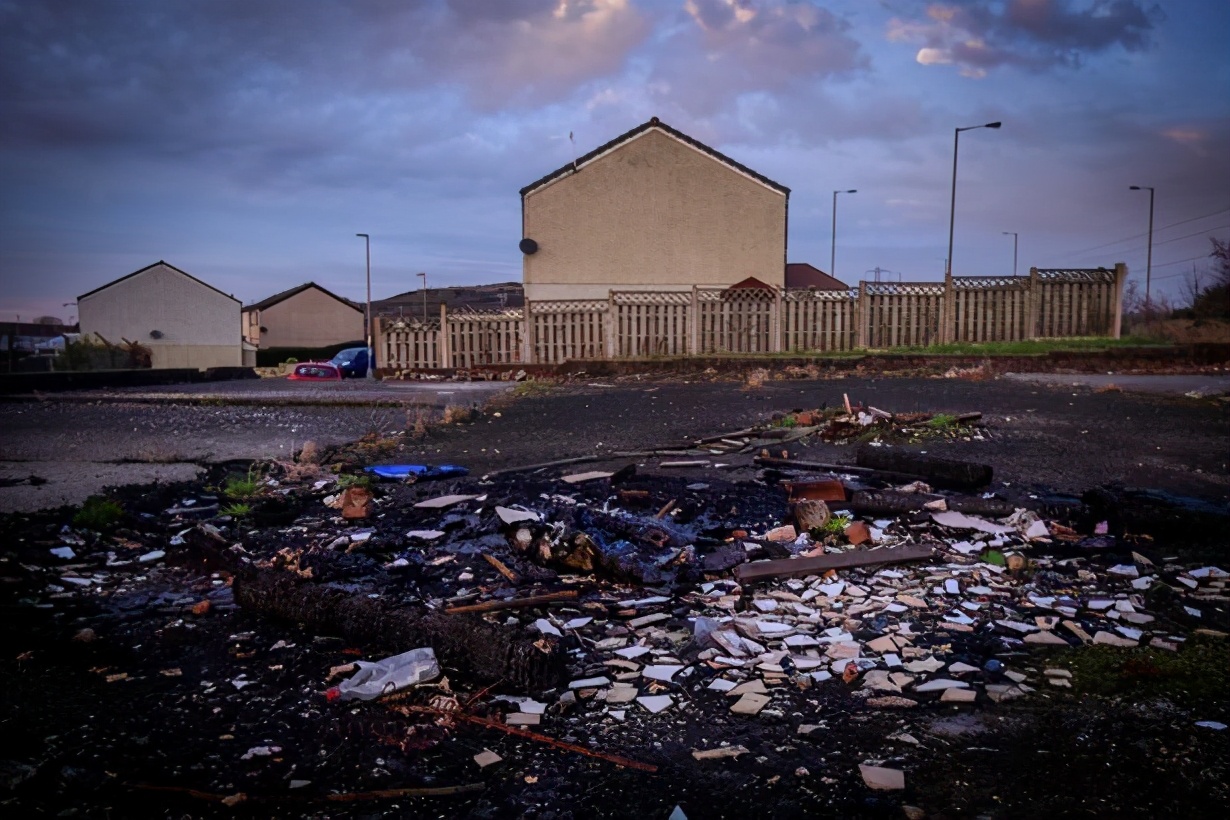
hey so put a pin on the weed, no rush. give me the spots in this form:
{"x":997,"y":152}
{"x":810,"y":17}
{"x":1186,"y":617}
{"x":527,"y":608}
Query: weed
{"x":786,"y":421}
{"x":243,"y":486}
{"x":531,"y":388}
{"x":236,"y":510}
{"x":456,"y":414}
{"x":1199,"y":674}
{"x":837,"y":524}
{"x":349,"y":480}
{"x":417,"y":423}
{"x":755,"y":379}
{"x":942,"y":421}
{"x":98,"y":513}
{"x":1109,"y":388}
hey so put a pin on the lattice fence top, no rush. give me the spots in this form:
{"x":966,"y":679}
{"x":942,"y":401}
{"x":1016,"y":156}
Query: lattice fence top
{"x":736,"y":295}
{"x":410,"y":325}
{"x":989,"y":282}
{"x":905,"y":288}
{"x":820,"y":295}
{"x":495,"y":314}
{"x":651,"y":297}
{"x":569,"y":306}
{"x":1077,"y":275}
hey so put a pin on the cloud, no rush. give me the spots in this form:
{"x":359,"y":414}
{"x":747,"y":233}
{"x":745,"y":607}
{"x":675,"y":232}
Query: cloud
{"x":978,"y":36}
{"x":724,"y":48}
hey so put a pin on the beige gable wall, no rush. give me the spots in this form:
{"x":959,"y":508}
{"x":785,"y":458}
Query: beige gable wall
{"x":310,"y":319}
{"x":200,"y":327}
{"x":655,"y":213}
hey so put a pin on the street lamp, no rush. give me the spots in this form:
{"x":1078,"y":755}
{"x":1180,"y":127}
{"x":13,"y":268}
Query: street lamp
{"x":1014,"y":236}
{"x":952,"y":211}
{"x":1149,"y":258}
{"x":833,"y":251}
{"x":423,"y":276}
{"x":367,"y":242}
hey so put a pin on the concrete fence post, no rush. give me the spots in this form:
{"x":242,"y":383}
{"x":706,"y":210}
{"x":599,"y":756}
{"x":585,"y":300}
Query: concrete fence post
{"x":948,"y":315}
{"x":610,"y":326}
{"x":862,"y":337}
{"x":694,"y":323}
{"x":1121,"y":272}
{"x":1035,"y":304}
{"x":527,"y":334}
{"x":443,"y":343}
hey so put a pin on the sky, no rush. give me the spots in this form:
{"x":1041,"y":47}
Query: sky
{"x":248,"y":142}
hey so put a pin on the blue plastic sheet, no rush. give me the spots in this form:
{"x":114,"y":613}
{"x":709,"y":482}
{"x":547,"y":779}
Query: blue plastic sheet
{"x":420,"y":472}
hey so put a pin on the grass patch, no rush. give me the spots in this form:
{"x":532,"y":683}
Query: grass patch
{"x":1026,"y":347}
{"x":531,"y":388}
{"x":837,"y":524}
{"x":942,"y":422}
{"x":237,"y":510}
{"x":1198,"y":673}
{"x":241,"y":487}
{"x":98,"y":513}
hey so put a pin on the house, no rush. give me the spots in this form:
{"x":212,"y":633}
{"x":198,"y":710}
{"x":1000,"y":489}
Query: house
{"x":802,"y":276}
{"x":306,"y":316}
{"x":182,"y":320}
{"x":653,"y":209}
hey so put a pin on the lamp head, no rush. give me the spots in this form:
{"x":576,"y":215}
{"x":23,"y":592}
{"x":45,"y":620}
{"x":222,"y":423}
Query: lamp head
{"x":993,"y":125}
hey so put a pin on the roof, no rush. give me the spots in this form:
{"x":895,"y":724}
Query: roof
{"x":653,"y":123}
{"x":750,"y":283}
{"x":800,"y":275}
{"x":286,"y":294}
{"x":148,"y":267}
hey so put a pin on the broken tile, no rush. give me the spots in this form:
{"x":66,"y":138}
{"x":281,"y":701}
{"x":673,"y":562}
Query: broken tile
{"x":750,"y":704}
{"x":880,"y":778}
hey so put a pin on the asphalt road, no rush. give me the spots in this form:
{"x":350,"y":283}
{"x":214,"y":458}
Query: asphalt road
{"x":1060,"y":437}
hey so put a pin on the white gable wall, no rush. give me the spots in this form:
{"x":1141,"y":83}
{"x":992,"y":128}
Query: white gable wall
{"x":199,"y":326}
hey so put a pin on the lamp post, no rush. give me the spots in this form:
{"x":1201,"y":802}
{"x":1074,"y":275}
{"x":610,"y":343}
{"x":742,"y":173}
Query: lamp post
{"x":833,"y":251}
{"x":367,"y":243}
{"x":1149,"y":257}
{"x":423,"y":276}
{"x":952,"y":210}
{"x":1014,"y":236}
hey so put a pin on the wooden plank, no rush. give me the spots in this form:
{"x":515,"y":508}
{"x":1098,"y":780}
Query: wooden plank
{"x":797,"y":567}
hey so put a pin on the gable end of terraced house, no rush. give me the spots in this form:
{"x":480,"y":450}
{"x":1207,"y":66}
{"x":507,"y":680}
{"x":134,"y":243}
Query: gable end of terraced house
{"x":653,"y":209}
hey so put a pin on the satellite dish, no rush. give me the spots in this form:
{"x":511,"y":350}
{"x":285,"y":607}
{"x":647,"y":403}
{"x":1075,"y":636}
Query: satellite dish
{"x":155,"y":334}
{"x":528,"y":246}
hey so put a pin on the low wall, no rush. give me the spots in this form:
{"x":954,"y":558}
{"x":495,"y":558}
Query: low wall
{"x":16,"y":383}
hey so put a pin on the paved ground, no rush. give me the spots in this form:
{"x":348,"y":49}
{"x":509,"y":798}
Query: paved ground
{"x":1196,"y":385}
{"x":1054,"y":437}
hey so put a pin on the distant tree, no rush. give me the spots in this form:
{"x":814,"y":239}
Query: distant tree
{"x":49,"y":320}
{"x":1214,"y":300}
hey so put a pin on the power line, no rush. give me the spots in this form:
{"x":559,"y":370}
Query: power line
{"x":1137,"y":248}
{"x":1146,"y":233}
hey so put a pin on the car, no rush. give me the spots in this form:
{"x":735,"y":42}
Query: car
{"x":316,"y":372}
{"x":352,"y":361}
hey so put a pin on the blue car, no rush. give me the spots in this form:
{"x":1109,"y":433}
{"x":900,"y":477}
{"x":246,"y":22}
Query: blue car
{"x":352,"y":362}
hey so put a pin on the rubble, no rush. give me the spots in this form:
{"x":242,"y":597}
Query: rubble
{"x":585,"y":616}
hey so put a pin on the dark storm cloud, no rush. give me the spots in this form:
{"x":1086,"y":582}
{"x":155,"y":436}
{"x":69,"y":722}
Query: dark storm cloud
{"x":979,"y":35}
{"x":231,"y":77}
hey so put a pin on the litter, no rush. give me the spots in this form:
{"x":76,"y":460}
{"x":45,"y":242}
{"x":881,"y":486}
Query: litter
{"x":389,"y":675}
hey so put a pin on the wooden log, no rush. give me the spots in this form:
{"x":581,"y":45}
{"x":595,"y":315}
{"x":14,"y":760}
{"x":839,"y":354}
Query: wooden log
{"x":892,"y":502}
{"x":466,"y":643}
{"x":802,"y":466}
{"x":796,"y":567}
{"x":516,"y":603}
{"x":942,"y":472}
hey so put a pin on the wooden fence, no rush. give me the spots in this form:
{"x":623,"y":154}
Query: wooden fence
{"x":700,"y":321}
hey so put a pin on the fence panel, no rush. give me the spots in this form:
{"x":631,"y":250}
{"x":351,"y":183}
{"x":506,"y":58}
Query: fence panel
{"x":407,"y":344}
{"x":736,"y":321}
{"x":481,"y":338}
{"x":567,"y":329}
{"x":651,"y":323}
{"x":1076,"y":302}
{"x":819,"y":319}
{"x":902,"y":314}
{"x":990,"y":308}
